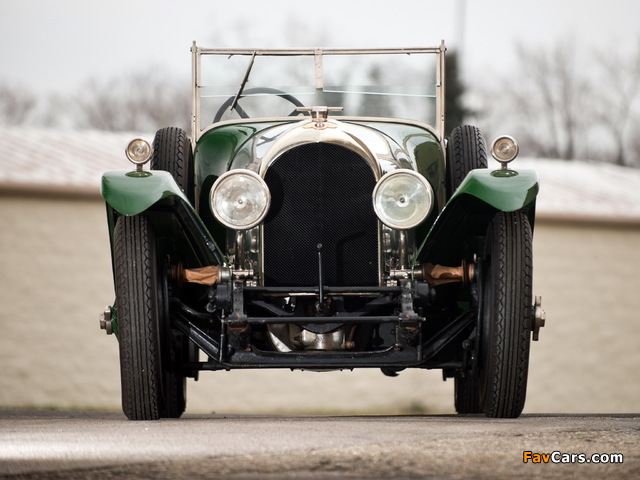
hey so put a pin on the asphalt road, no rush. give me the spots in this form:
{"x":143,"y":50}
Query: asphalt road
{"x":70,"y":445}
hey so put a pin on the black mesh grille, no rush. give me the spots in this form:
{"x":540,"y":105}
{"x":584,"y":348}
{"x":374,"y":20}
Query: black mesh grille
{"x":320,"y":193}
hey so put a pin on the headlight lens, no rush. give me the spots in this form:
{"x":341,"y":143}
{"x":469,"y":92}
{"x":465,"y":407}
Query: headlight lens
{"x":402,"y":199}
{"x":504,"y":149}
{"x":139,"y":151}
{"x":240,"y":199}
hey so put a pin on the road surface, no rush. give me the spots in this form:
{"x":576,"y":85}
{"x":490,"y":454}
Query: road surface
{"x":74,"y":445}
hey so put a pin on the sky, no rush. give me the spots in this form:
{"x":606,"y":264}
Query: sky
{"x":56,"y":45}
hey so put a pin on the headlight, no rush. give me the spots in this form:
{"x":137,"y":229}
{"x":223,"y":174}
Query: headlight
{"x":402,"y":199}
{"x":504,"y":149}
{"x":139,"y":151}
{"x":240,"y":199}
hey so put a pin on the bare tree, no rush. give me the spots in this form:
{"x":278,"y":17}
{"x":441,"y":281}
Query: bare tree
{"x":565,"y":103}
{"x":16,"y":104}
{"x":551,"y":100}
{"x":617,"y":98}
{"x":101,"y":106}
{"x":143,"y":101}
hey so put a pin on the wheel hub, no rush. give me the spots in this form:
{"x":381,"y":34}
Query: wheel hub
{"x":539,"y":318}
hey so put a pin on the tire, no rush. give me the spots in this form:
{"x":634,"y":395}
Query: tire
{"x":466,"y":151}
{"x":152,"y":386}
{"x":505,"y":316}
{"x":172,"y":153}
{"x":174,"y":349}
{"x":467,"y":394}
{"x":176,"y":384}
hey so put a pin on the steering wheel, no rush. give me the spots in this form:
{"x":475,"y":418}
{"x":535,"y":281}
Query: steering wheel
{"x":229,"y":101}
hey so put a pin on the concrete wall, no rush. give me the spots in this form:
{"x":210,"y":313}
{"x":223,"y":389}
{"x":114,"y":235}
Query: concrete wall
{"x":55,"y":276}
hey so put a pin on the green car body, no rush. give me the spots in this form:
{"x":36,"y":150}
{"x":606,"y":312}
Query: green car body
{"x":349,"y":232}
{"x":481,"y":194}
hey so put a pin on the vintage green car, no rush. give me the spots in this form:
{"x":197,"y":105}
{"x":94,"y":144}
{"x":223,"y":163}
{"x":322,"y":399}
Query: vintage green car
{"x":318,"y":219}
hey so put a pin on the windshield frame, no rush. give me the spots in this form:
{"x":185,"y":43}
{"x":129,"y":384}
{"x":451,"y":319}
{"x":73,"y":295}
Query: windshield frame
{"x":318,"y":54}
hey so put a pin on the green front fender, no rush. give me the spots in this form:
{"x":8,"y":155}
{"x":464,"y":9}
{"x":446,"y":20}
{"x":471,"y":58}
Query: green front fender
{"x":505,"y":190}
{"x":131,"y":193}
{"x":462,"y":224}
{"x":158,"y":195}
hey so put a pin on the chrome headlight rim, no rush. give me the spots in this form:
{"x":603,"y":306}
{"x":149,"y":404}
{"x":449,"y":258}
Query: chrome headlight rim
{"x":236,"y":175}
{"x":505,"y":149}
{"x":420,"y":181}
{"x":139,"y":151}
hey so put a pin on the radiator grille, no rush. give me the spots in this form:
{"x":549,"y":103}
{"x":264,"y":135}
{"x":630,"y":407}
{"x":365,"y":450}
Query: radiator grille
{"x":320,"y":193}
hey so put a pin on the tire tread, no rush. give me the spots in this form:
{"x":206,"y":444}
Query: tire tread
{"x":467,"y":151}
{"x":172,"y":153}
{"x":139,"y":349}
{"x":508,"y":378}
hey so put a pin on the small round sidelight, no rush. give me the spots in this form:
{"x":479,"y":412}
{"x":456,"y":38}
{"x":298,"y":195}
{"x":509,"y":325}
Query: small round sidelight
{"x":240,"y":199}
{"x":504,"y":149}
{"x":402,"y":199}
{"x":139,"y":151}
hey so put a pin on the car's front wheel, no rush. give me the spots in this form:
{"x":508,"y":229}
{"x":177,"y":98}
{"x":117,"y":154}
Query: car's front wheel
{"x":467,"y":393}
{"x":172,"y":153}
{"x":153,"y":385}
{"x":466,"y":151}
{"x":505,"y":316}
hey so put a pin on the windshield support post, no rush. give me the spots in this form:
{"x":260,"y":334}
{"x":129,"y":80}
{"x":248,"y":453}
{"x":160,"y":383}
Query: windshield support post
{"x":440,"y":95}
{"x":317,"y":55}
{"x":195,"y":83}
